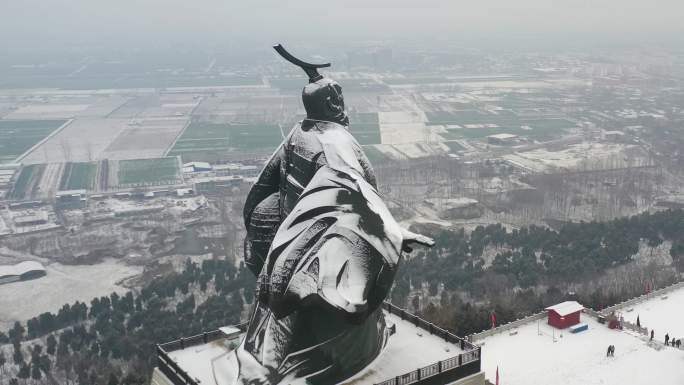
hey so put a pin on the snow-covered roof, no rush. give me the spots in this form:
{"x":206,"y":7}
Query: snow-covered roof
{"x":230,"y":331}
{"x":71,"y":192}
{"x":502,"y":136}
{"x":565,"y":308}
{"x":198,"y":165}
{"x":20,"y":268}
{"x":31,"y":217}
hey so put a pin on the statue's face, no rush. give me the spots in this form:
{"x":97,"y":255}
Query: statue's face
{"x":323,"y":100}
{"x":336,"y":104}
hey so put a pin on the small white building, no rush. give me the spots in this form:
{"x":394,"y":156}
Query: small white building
{"x":21,"y":271}
{"x":31,"y":218}
{"x":197,"y":167}
{"x":502,"y":139}
{"x":614,"y":136}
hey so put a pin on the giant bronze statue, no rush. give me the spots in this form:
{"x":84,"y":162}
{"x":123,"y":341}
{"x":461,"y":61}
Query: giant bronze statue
{"x":324,"y":248}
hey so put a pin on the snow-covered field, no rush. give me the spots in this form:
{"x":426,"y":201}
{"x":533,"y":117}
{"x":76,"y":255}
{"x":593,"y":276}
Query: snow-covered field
{"x":530,"y":357}
{"x":663,"y":314}
{"x":62,"y":284}
{"x":81,"y":141}
{"x":44,"y":111}
{"x":82,"y":106}
{"x":147,"y":138}
{"x":398,"y":127}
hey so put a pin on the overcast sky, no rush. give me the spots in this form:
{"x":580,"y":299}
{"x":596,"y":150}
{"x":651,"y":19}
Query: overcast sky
{"x":55,"y":23}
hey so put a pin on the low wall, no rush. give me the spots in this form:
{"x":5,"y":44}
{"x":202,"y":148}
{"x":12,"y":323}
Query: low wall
{"x":637,"y":329}
{"x":503,"y":328}
{"x":641,"y":298}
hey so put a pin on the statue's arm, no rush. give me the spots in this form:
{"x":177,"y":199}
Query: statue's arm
{"x":267,"y":183}
{"x":368,"y":172}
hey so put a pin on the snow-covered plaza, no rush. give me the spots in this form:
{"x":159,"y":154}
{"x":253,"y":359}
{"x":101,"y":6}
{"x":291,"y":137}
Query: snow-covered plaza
{"x":536,"y":353}
{"x":662,"y":314}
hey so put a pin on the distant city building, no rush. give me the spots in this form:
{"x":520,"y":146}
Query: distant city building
{"x":614,"y":136}
{"x":502,"y":139}
{"x":25,"y":205}
{"x":21,"y":272}
{"x":6,"y":177}
{"x":217,"y":185}
{"x":196,"y":167}
{"x":235,"y":169}
{"x":181,"y":192}
{"x":140,"y":210}
{"x":71,"y":199}
{"x":32,"y":218}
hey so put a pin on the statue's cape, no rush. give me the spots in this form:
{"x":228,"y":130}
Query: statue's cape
{"x":340,"y":243}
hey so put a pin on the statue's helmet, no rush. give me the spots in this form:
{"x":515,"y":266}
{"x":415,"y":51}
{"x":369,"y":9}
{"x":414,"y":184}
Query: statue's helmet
{"x":323,"y":100}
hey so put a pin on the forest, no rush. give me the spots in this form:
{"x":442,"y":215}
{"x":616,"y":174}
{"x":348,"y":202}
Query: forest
{"x":534,"y":267}
{"x":112,"y":340}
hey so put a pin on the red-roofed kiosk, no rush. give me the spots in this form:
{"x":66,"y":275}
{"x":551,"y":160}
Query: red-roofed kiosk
{"x":564,"y":314}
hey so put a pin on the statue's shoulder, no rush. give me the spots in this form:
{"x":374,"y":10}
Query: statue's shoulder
{"x":320,"y":125}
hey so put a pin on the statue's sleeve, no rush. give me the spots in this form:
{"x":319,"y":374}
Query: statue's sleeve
{"x":267,"y":183}
{"x":368,"y":172}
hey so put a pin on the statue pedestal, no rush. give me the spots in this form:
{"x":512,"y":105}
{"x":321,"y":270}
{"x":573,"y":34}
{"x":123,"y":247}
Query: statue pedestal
{"x":417,"y":353}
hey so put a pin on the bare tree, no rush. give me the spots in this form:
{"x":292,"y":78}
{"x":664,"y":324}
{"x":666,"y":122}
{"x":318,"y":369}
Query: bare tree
{"x":66,"y":149}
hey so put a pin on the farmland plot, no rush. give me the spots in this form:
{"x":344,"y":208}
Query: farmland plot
{"x":18,"y":136}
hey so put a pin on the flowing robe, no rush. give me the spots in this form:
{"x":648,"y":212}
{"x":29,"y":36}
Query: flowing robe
{"x":331,"y":263}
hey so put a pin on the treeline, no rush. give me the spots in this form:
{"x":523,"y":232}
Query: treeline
{"x":112,"y":341}
{"x":533,"y":263}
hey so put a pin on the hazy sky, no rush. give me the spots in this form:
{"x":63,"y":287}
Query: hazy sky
{"x":54,"y":23}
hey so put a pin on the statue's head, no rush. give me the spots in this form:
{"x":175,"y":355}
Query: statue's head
{"x":323,"y":100}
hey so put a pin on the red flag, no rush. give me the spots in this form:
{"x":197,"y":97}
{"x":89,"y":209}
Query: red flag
{"x":492,"y":318}
{"x":497,"y":375}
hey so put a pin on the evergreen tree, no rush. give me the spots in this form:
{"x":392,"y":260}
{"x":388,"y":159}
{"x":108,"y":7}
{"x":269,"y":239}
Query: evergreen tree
{"x":16,"y":334}
{"x":113,"y":380}
{"x":35,"y":372}
{"x":51,"y":345}
{"x":18,"y":356}
{"x":3,"y":361}
{"x":24,"y":372}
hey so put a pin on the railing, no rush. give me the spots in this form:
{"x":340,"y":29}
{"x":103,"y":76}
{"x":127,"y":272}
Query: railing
{"x":506,"y":327}
{"x":434,"y":369}
{"x":172,"y":371}
{"x":170,"y":368}
{"x":472,"y":353}
{"x":429,"y":326}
